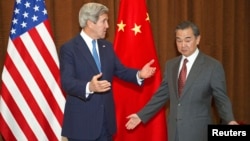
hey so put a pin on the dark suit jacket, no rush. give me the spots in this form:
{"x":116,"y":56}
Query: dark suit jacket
{"x":84,"y":117}
{"x":191,"y":113}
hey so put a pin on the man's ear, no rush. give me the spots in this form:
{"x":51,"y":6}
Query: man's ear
{"x":198,"y":40}
{"x":90,"y":23}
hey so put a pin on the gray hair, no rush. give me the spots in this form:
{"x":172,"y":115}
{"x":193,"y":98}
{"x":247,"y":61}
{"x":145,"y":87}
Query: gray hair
{"x":188,"y":24}
{"x":91,"y":11}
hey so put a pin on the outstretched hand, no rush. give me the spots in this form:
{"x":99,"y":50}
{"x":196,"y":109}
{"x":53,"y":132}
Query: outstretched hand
{"x":147,"y":71}
{"x":97,"y":85}
{"x":133,"y":121}
{"x":233,"y":123}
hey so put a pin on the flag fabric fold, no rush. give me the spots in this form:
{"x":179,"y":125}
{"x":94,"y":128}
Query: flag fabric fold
{"x":134,"y":46}
{"x":31,"y":99}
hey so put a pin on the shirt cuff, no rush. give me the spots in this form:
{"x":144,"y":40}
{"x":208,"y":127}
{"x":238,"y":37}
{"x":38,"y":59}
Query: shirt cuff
{"x":139,"y":80}
{"x":88,"y":92}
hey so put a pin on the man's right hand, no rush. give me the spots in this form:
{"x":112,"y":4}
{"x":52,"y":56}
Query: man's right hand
{"x":133,"y":121}
{"x":96,"y":85}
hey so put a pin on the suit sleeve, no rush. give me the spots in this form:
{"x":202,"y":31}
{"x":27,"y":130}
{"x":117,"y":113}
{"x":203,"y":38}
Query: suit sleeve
{"x":158,"y":100}
{"x":123,"y":72}
{"x":70,"y":84}
{"x":222,"y":101}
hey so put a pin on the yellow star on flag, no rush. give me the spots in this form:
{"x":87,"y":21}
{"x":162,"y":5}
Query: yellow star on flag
{"x":136,"y":29}
{"x":121,"y":26}
{"x":147,"y":18}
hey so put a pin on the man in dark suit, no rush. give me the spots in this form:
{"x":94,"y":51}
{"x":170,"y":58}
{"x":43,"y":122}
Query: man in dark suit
{"x":190,"y":108}
{"x":89,"y":111}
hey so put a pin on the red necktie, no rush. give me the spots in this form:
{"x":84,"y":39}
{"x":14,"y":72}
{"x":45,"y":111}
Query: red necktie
{"x":182,"y":77}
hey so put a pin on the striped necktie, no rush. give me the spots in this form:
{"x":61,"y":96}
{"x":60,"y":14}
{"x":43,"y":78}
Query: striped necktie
{"x":182,"y":77}
{"x":95,"y":55}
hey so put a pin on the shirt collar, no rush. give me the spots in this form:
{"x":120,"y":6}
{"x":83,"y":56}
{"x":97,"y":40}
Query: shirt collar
{"x":192,"y":57}
{"x":86,"y":38}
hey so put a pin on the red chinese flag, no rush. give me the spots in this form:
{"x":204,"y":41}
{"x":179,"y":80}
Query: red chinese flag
{"x":134,"y":46}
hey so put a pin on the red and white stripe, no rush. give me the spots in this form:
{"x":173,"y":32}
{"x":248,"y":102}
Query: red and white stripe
{"x":32,"y":102}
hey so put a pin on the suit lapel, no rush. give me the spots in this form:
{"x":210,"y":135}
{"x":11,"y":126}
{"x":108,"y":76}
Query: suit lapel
{"x":101,"y":48}
{"x":85,"y":53}
{"x":175,"y":75}
{"x":195,"y":70}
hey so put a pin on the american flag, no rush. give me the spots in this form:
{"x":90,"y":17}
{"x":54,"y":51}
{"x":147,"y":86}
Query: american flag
{"x":31,"y":102}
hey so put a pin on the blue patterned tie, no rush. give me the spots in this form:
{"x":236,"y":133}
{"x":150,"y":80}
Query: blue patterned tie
{"x":95,"y":55}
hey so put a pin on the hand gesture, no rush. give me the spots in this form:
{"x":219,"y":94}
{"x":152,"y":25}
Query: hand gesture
{"x":233,"y":123}
{"x":96,"y":85}
{"x":147,"y":71}
{"x":133,"y":121}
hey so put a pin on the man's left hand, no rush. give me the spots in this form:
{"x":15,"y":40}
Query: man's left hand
{"x":147,"y":71}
